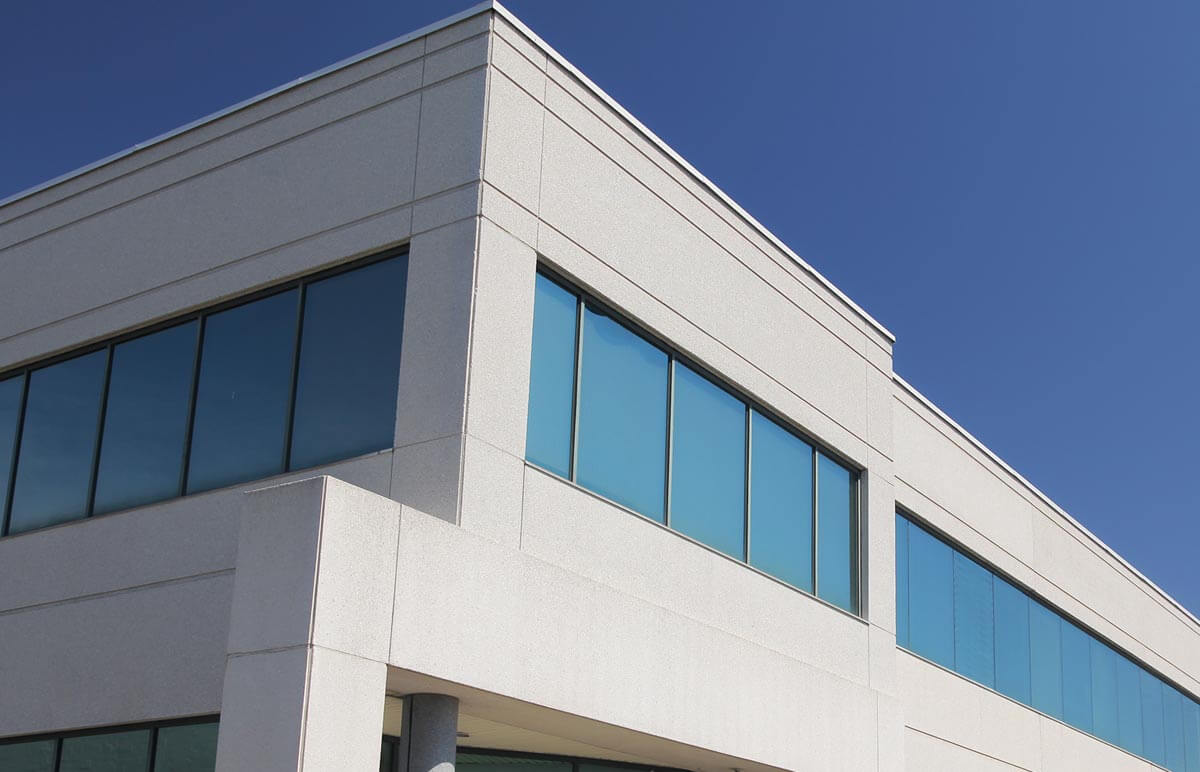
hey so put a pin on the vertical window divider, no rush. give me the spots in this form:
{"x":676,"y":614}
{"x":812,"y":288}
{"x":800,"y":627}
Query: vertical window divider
{"x":670,"y":439}
{"x":191,"y":416}
{"x":577,"y":386}
{"x":816,"y":522}
{"x":91,"y":495}
{"x":6,"y":509}
{"x":291,"y":407}
{"x":857,"y":546}
{"x":58,"y":748}
{"x":746,"y":500}
{"x":152,"y":751}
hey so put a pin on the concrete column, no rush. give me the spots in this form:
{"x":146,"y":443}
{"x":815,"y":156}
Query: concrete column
{"x":310,"y":630}
{"x":430,"y":733}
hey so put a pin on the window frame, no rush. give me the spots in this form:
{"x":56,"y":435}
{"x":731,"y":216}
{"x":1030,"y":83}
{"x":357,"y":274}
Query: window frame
{"x":858,"y":495}
{"x":198,"y":315}
{"x":151,"y":726}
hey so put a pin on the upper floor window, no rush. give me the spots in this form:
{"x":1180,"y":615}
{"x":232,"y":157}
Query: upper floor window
{"x":301,"y":375}
{"x":962,"y":615}
{"x":626,"y":418}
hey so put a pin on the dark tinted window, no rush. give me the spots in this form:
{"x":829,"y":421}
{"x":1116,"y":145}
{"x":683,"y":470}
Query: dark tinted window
{"x":33,"y":756}
{"x":708,"y":463}
{"x":349,"y":364}
{"x":58,"y":442}
{"x":145,"y":419}
{"x":111,"y":752}
{"x":186,"y":748}
{"x":552,"y":378}
{"x":622,"y":447}
{"x":10,"y":416}
{"x":244,"y":390}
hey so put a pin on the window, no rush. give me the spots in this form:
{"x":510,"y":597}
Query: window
{"x":303,"y":375}
{"x":146,"y":418}
{"x":1012,"y":641}
{"x":781,"y":485}
{"x":473,"y":760}
{"x":627,"y":419}
{"x":349,"y":364}
{"x":552,"y":378}
{"x":184,"y":746}
{"x":1004,"y":639}
{"x":708,"y":463}
{"x":58,"y":441}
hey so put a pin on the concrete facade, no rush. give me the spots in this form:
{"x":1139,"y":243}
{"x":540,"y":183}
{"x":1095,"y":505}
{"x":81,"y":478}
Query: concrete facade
{"x":301,"y":608}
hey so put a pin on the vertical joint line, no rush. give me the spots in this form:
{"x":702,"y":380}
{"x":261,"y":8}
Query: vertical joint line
{"x":10,"y":492}
{"x":291,"y":410}
{"x":191,"y":419}
{"x":577,"y":385}
{"x":746,"y":500}
{"x":91,"y":495}
{"x":816,"y":522}
{"x":671,"y":361}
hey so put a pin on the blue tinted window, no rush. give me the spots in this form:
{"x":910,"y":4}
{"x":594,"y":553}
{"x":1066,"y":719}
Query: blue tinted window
{"x":930,"y":598}
{"x":34,"y":756}
{"x":1045,"y":660}
{"x":901,"y":582}
{"x":1105,"y":721}
{"x":708,"y":463}
{"x":622,"y":446}
{"x":10,"y":416}
{"x":146,"y":418}
{"x":1012,"y":641}
{"x":244,"y":389}
{"x":781,"y":518}
{"x":1191,"y":735}
{"x":974,"y":643}
{"x":1153,"y":741}
{"x":1129,"y":705}
{"x":186,"y":748}
{"x":112,"y":752}
{"x":58,"y":442}
{"x":1173,"y":729}
{"x":552,"y":378}
{"x":1077,"y":677}
{"x":349,"y":364}
{"x":837,"y":558}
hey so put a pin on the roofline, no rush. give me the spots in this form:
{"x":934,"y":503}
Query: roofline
{"x":928,"y":404}
{"x":475,"y":10}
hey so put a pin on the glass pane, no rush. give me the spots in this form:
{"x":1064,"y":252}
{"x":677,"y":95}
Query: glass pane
{"x":349,"y":364}
{"x":1129,"y":705}
{"x":113,"y":752}
{"x":1045,"y":659}
{"x":1105,"y":721}
{"x":974,"y":640}
{"x":837,"y":564}
{"x":1077,"y":677}
{"x":387,"y":756}
{"x":622,"y":452}
{"x":1173,"y":729}
{"x":931,"y":597}
{"x":1191,"y":734}
{"x":58,"y":443}
{"x":482,"y":762}
{"x":242,"y":399}
{"x":1012,"y":641}
{"x":1153,"y":741}
{"x":781,"y":519}
{"x":145,"y":420}
{"x":186,"y":748}
{"x":901,"y":581}
{"x":36,"y":756}
{"x":551,"y":378}
{"x":10,"y":415}
{"x":708,"y":464}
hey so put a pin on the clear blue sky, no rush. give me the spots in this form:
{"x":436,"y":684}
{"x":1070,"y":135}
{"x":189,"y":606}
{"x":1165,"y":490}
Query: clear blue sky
{"x":1010,"y":187}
